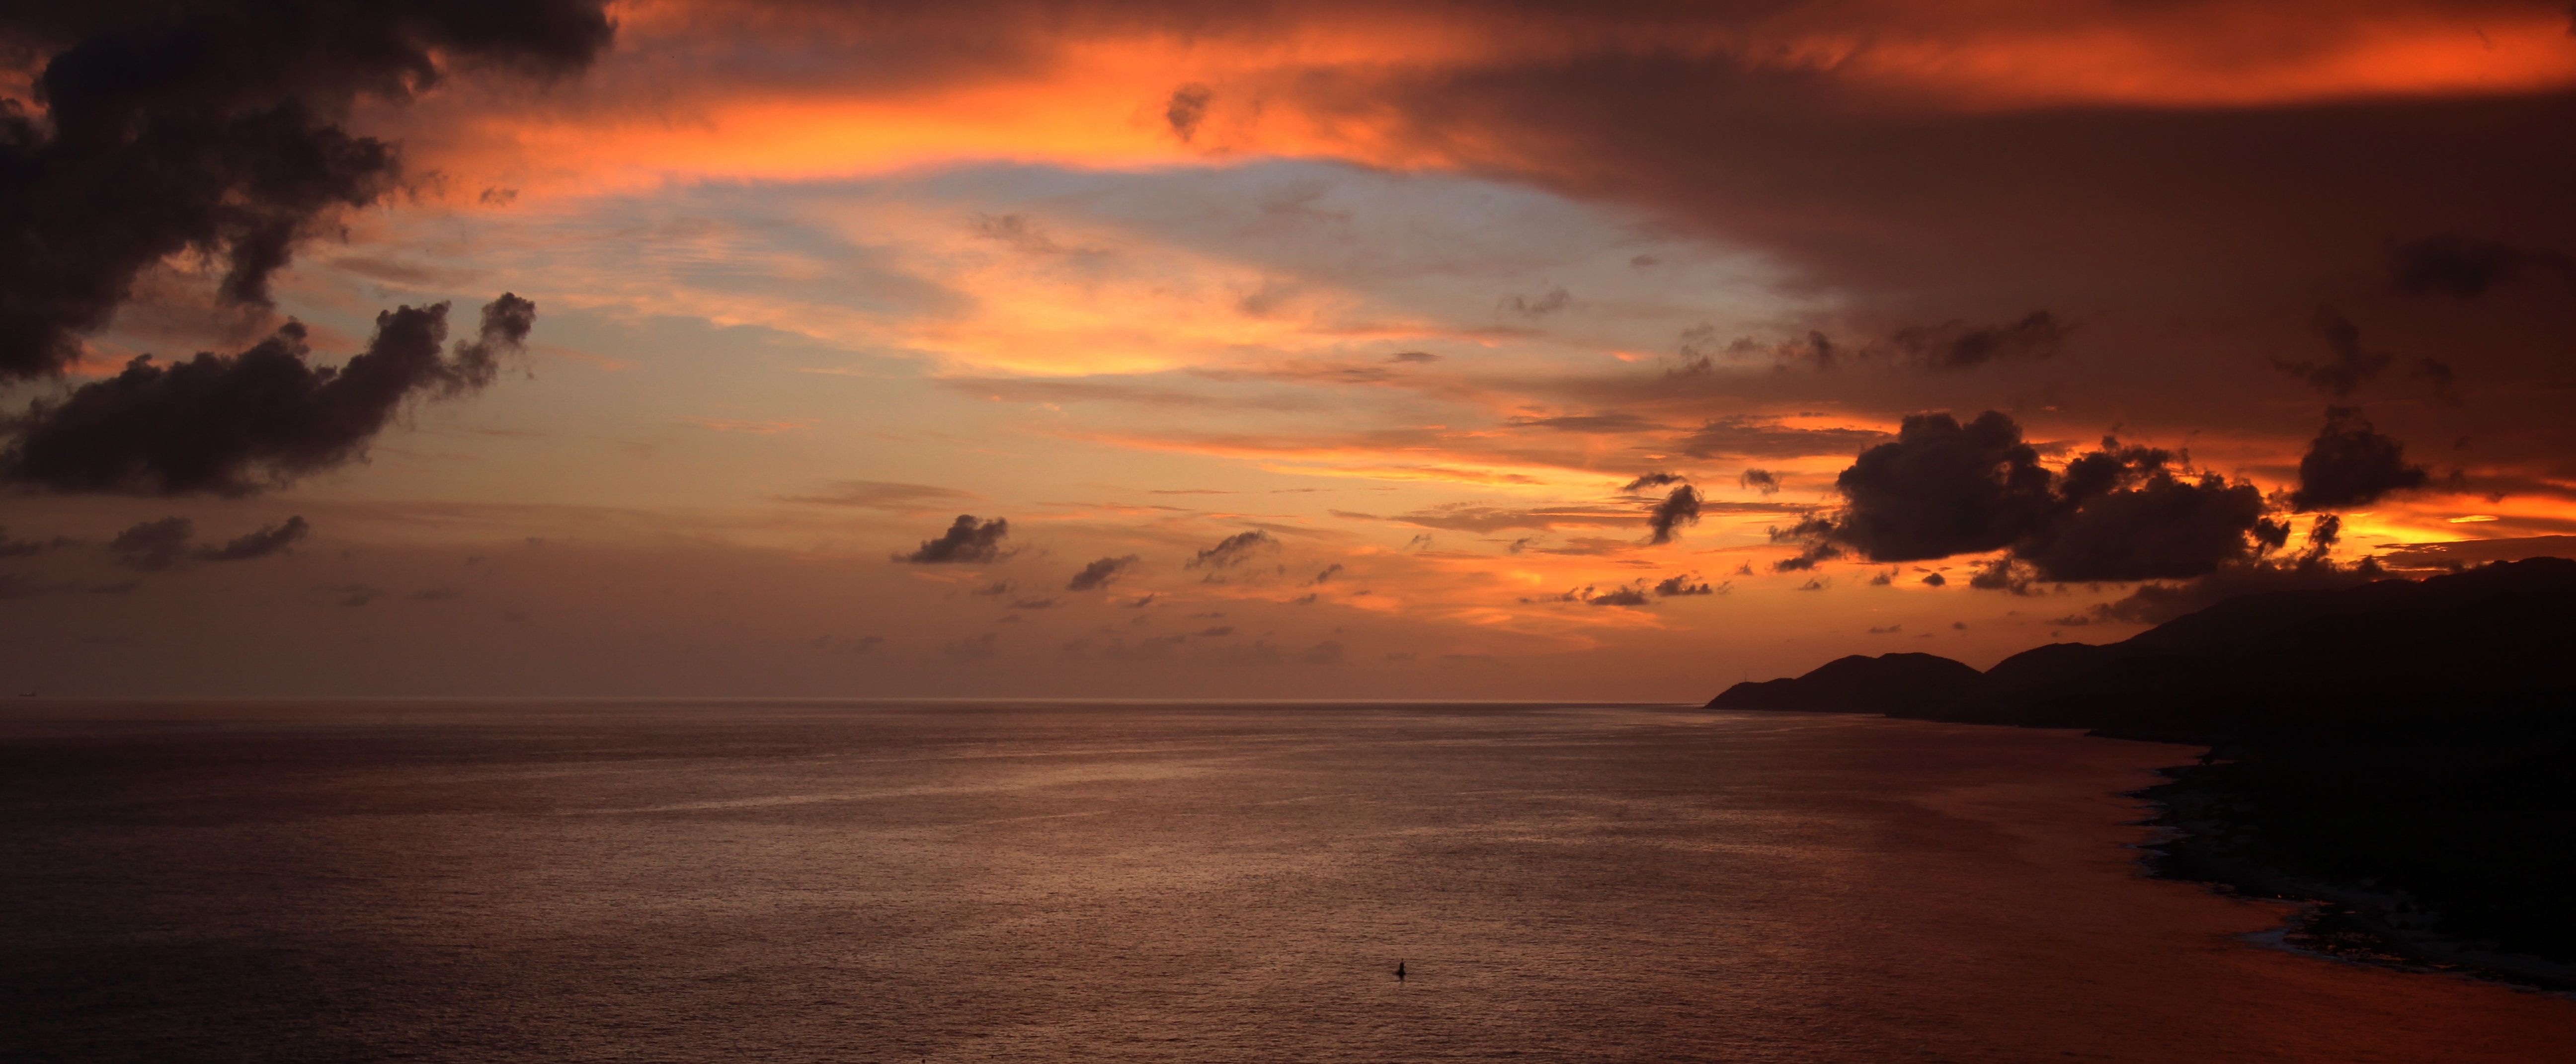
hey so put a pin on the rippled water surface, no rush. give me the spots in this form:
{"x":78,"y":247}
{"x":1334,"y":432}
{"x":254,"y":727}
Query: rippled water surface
{"x":811,"y":882}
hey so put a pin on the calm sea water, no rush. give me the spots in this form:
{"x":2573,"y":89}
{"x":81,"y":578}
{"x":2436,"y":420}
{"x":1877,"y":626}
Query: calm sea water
{"x":826,"y":882}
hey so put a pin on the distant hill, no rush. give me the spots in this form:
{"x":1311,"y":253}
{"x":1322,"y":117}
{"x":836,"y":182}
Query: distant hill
{"x":2400,"y":751}
{"x":2505,"y":631}
{"x":1861,"y":683}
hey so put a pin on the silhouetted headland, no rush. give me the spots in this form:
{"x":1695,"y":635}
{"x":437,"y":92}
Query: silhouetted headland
{"x":2398,"y":751}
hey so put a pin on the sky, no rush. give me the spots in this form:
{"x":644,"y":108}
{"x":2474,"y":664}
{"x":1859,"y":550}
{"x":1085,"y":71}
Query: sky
{"x":1174,"y":349}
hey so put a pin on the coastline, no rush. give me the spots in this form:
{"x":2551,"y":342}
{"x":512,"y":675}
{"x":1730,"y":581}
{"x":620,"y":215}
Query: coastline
{"x":2393,"y":753}
{"x":2208,"y":839}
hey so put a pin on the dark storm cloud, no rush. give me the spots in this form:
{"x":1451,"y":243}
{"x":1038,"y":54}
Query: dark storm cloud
{"x":236,"y":424}
{"x":2116,"y":514}
{"x":2323,"y":534}
{"x":2351,"y":464}
{"x":1761,"y":480}
{"x":2151,"y":525}
{"x":1100,"y":573}
{"x":2350,"y":365}
{"x":211,"y":128}
{"x":1678,"y":509}
{"x":2466,"y":267}
{"x":2003,"y":574}
{"x":1941,"y":488}
{"x":2197,"y":180}
{"x":967,"y":541}
{"x":1233,"y":550}
{"x":2077,"y":201}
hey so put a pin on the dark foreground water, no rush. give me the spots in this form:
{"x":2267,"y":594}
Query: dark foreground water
{"x":811,"y":882}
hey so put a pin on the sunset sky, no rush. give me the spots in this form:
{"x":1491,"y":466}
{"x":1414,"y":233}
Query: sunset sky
{"x":1316,"y":350}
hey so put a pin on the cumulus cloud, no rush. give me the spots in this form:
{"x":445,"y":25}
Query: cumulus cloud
{"x":1234,"y":550}
{"x":2120,"y":513}
{"x":2351,"y":464}
{"x":1100,"y":573}
{"x":237,"y":424}
{"x":1941,"y":488}
{"x":967,"y":541}
{"x":1761,"y":480}
{"x":212,"y":129}
{"x":1621,"y":596}
{"x":2123,"y":515}
{"x":1678,"y":509}
{"x":1676,"y":586}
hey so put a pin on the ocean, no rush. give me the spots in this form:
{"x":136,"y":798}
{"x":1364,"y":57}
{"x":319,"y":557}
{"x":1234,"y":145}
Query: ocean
{"x":821,"y":881}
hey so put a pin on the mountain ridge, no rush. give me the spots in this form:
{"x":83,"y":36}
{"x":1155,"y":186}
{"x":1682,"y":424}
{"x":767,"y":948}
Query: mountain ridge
{"x":2498,"y":631}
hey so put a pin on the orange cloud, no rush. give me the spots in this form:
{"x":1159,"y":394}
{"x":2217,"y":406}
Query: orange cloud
{"x":780,"y":90}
